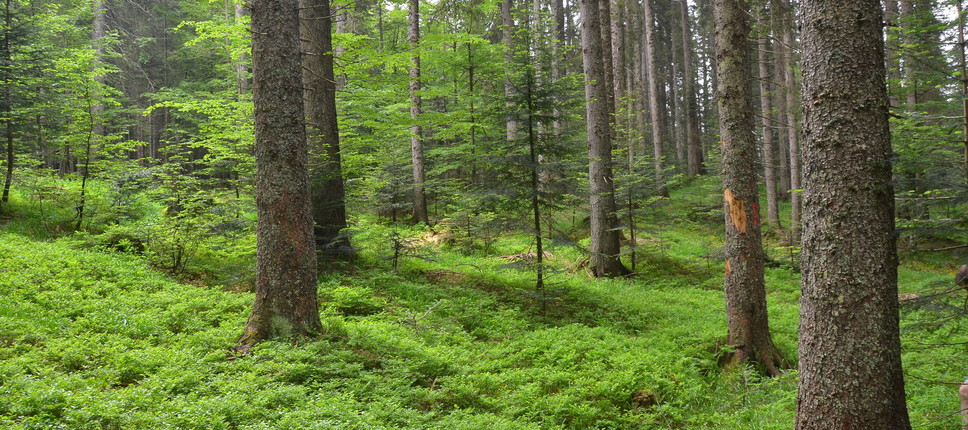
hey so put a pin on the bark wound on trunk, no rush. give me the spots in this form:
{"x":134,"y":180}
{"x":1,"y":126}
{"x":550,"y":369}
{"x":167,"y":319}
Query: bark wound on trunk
{"x":737,"y":210}
{"x":749,"y":333}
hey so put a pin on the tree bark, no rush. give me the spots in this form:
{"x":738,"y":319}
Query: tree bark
{"x":655,"y":107}
{"x":419,"y":214}
{"x":604,"y":260}
{"x":850,"y":353}
{"x":749,"y":333}
{"x":322,"y":131}
{"x":285,"y":287}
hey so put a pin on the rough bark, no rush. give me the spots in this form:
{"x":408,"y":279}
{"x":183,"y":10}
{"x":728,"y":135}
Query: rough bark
{"x":850,"y":357}
{"x":655,"y":107}
{"x":285,"y":287}
{"x":766,"y":122}
{"x":749,"y":333}
{"x":419,"y":214}
{"x":604,"y":259}
{"x":693,"y":145}
{"x":322,"y":131}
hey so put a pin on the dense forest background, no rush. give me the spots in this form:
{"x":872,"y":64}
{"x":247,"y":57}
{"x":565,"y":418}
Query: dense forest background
{"x":465,"y":279}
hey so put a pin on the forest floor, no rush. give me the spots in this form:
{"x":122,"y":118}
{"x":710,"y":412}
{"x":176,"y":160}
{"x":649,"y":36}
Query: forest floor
{"x":453,"y":337}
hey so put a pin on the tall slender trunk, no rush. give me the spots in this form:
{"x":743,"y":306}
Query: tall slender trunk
{"x":793,"y":133}
{"x":693,"y":145}
{"x":964,"y":81}
{"x":416,"y":131}
{"x":890,"y":51}
{"x":6,"y":106}
{"x":322,"y":131}
{"x":604,"y":259}
{"x":749,"y":332}
{"x":655,"y":107}
{"x":557,"y":69}
{"x":605,"y":16}
{"x":850,"y":349}
{"x":617,"y":24}
{"x":535,"y":185}
{"x":241,"y":77}
{"x":507,"y":36}
{"x":766,"y":114}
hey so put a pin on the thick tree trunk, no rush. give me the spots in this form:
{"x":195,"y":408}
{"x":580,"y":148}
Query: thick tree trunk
{"x":766,"y":115}
{"x":285,"y":286}
{"x":850,"y":352}
{"x":655,"y":107}
{"x":693,"y":145}
{"x":749,"y":333}
{"x":604,"y":260}
{"x":419,"y":214}
{"x":322,"y":132}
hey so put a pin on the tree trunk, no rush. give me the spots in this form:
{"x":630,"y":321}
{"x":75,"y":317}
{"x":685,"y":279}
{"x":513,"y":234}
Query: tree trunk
{"x":322,"y":132}
{"x":241,"y":77}
{"x":6,"y":105}
{"x":791,"y":107}
{"x":604,"y":260}
{"x":766,"y":114}
{"x":507,"y":32}
{"x":749,"y":333}
{"x":655,"y":107}
{"x":963,"y":66}
{"x":850,"y":352}
{"x":285,"y":287}
{"x":605,"y":17}
{"x":693,"y":145}
{"x":617,"y":46}
{"x":557,"y":69}
{"x":890,"y":52}
{"x":416,"y":131}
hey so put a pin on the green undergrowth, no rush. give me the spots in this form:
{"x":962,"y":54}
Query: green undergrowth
{"x":96,"y":338}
